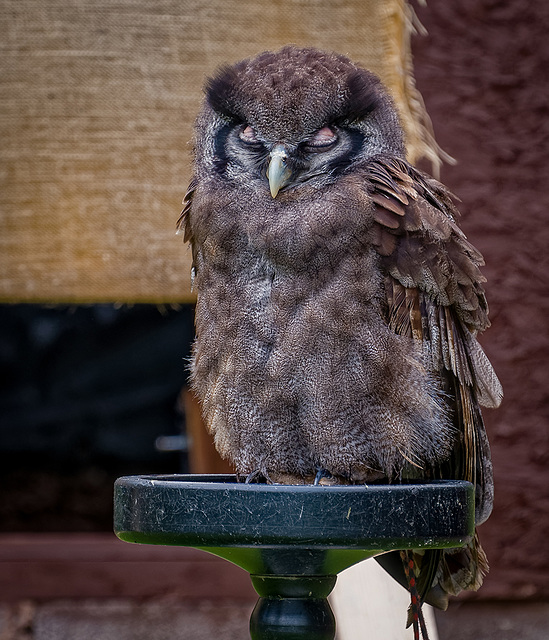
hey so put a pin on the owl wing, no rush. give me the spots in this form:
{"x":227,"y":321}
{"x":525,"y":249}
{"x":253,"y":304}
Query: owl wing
{"x":434,"y":294}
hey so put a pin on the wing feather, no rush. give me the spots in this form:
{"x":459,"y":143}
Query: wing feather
{"x":423,"y":249}
{"x":434,"y":294}
{"x":183,"y":222}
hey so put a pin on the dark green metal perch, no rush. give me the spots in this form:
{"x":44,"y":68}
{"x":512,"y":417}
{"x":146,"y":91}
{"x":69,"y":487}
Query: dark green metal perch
{"x":293,"y":540}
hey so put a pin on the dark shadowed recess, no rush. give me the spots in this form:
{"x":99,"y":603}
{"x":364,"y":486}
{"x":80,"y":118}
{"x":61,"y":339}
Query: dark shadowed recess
{"x":85,"y":392}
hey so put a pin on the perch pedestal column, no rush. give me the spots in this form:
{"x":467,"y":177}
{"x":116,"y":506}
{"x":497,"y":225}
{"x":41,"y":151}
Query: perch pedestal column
{"x":293,"y":608}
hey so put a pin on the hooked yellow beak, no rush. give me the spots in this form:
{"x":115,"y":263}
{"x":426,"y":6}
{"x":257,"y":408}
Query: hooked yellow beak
{"x":278,"y":172}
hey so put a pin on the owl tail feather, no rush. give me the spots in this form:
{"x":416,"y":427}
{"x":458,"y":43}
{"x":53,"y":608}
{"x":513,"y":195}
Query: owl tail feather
{"x":415,"y":613}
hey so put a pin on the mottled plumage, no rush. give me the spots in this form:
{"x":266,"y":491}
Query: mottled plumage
{"x":338,"y":301}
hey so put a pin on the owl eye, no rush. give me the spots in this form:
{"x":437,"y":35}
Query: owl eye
{"x":247,"y":135}
{"x":322,"y":139}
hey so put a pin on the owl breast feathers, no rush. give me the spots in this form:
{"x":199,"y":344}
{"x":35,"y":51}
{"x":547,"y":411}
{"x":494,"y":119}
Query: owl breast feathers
{"x":338,"y":301}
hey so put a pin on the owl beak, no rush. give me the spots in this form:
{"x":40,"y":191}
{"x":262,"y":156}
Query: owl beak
{"x":278,"y":172}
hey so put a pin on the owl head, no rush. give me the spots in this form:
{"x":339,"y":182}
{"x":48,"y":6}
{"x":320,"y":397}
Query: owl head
{"x":294,"y":116}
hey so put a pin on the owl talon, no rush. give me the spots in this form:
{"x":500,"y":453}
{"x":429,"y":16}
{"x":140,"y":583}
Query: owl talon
{"x":256,"y":476}
{"x":321,"y":473}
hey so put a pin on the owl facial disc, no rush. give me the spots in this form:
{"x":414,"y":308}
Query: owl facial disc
{"x":278,"y":173}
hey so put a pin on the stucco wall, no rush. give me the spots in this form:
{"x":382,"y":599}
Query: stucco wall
{"x":482,"y":71}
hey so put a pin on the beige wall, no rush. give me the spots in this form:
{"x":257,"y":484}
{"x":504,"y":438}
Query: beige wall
{"x":97,"y":101}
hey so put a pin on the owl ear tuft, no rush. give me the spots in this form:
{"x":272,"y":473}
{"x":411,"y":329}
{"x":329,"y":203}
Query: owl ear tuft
{"x":364,"y":95}
{"x":220,"y":89}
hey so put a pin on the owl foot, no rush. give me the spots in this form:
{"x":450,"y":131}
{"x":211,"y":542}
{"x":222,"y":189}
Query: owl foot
{"x":321,"y":473}
{"x":257,"y":476}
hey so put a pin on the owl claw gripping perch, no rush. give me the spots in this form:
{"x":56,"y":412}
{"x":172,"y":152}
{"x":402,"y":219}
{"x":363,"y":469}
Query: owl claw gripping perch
{"x":338,"y":301}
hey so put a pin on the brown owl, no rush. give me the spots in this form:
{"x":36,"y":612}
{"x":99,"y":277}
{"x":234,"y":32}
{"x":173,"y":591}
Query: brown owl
{"x":338,"y":300}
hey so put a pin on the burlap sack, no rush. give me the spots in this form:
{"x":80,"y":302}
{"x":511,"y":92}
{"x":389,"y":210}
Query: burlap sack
{"x":97,"y":103}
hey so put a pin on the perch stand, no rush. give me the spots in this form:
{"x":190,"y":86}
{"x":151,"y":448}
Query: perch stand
{"x":293,"y":540}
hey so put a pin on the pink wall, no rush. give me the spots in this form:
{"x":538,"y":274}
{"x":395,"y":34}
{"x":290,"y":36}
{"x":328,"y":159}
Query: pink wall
{"x":483,"y":73}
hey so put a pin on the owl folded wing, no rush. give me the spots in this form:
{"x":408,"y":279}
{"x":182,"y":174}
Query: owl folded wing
{"x":434,"y":294}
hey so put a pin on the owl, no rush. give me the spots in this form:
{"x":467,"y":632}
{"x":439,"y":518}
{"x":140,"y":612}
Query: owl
{"x":338,"y":301}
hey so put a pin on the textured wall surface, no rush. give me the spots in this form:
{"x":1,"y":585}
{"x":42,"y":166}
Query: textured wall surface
{"x":482,"y":71}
